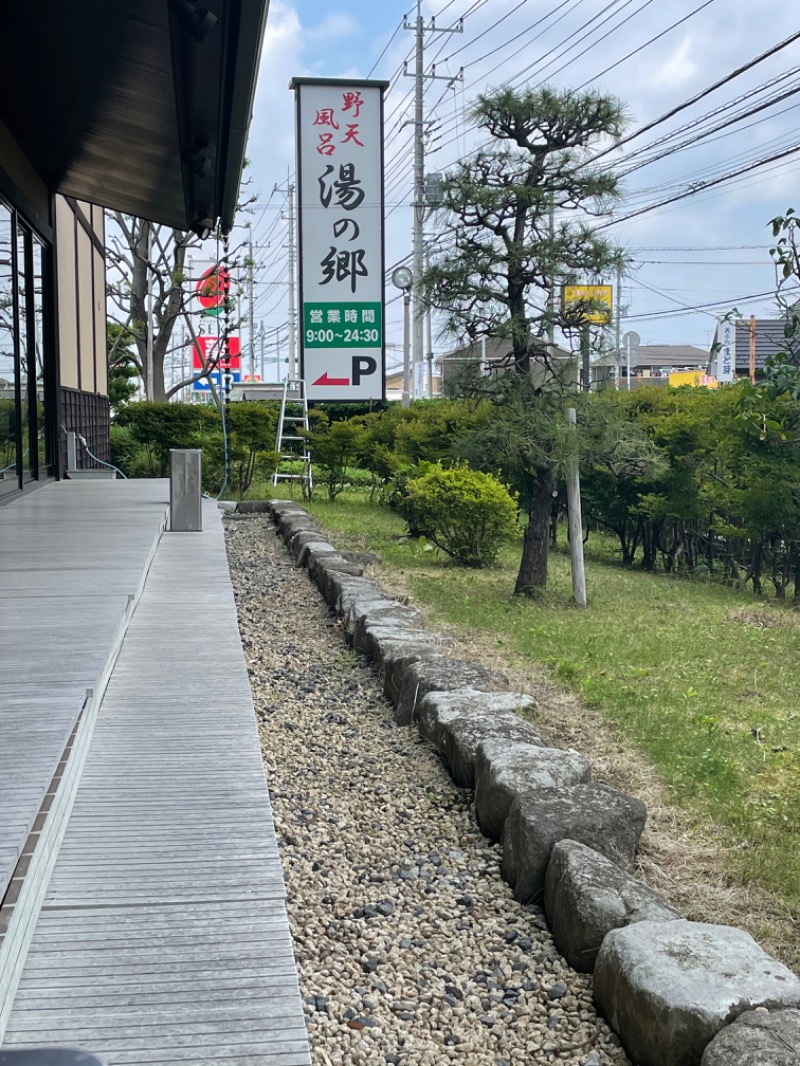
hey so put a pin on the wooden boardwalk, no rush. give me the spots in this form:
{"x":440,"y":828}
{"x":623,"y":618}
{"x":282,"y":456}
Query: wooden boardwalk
{"x":71,"y":555}
{"x":163,"y":935}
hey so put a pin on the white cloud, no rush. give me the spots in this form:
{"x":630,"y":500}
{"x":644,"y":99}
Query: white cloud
{"x":676,"y":71}
{"x":336,"y":26}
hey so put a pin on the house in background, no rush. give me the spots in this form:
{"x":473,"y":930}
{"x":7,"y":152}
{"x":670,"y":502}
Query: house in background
{"x":141,"y":108}
{"x":493,"y":356}
{"x":651,"y":364}
{"x":768,"y":340}
{"x":394,"y":383}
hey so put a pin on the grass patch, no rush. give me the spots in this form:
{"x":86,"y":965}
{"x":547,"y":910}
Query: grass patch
{"x":700,"y":677}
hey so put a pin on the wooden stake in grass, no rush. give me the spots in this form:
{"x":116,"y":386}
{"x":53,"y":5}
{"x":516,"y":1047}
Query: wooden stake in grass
{"x":575,"y":522}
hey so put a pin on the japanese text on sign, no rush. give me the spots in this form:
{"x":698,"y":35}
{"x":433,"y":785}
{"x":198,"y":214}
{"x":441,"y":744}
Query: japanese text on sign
{"x":727,"y":352}
{"x":339,"y":129}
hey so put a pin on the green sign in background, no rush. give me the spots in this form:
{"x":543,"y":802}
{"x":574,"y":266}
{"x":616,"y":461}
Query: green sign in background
{"x":342,"y":325}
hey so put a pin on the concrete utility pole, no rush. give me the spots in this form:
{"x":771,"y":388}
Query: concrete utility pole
{"x":420,"y":28}
{"x":292,"y":317}
{"x":406,"y":396}
{"x":292,"y":372}
{"x":551,"y":296}
{"x":575,"y":521}
{"x":586,"y":366}
{"x":252,"y":311}
{"x":618,"y":326}
{"x":261,"y":341}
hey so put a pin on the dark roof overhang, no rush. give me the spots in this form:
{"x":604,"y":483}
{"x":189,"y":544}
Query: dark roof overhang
{"x":131,"y":106}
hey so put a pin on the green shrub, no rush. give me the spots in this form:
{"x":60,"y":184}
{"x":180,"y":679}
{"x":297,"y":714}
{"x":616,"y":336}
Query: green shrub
{"x":334,"y":447}
{"x":158,"y":427}
{"x":465,"y":513}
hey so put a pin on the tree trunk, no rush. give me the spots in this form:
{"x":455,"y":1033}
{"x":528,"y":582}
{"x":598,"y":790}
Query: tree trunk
{"x":535,"y":546}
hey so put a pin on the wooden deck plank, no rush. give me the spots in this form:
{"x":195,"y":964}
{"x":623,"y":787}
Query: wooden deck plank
{"x":163,"y":936}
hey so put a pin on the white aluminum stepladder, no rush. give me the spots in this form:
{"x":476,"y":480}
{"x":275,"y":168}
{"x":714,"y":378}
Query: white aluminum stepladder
{"x":289,"y":444}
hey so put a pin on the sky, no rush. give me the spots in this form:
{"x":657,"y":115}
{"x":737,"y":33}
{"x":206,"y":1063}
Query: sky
{"x":710,"y":248}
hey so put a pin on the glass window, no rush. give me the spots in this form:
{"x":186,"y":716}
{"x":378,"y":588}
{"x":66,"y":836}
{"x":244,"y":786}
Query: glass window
{"x":37,"y":339}
{"x":27,"y":372}
{"x":9,"y":469}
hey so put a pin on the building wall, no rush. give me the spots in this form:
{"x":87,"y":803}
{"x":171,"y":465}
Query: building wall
{"x":81,"y":280}
{"x":81,"y":287}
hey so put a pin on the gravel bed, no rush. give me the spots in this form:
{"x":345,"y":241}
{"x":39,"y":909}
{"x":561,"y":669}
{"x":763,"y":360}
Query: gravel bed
{"x":409,"y":946}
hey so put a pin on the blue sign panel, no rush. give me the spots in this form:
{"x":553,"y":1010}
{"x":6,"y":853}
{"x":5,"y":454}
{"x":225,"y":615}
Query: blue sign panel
{"x":202,"y":385}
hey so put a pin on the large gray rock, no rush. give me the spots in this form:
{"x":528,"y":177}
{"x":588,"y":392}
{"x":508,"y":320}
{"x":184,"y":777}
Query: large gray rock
{"x":505,"y":769}
{"x":318,"y":559}
{"x":292,"y":522}
{"x":278,"y":507}
{"x":386,"y":613}
{"x":371,"y":602}
{"x":596,"y":815}
{"x":300,"y":540}
{"x":342,"y":590}
{"x":396,"y":650}
{"x":456,"y":723}
{"x":377,"y":634}
{"x":439,"y":674}
{"x":586,"y":896}
{"x":318,"y":546}
{"x":757,"y":1038}
{"x":668,"y":988}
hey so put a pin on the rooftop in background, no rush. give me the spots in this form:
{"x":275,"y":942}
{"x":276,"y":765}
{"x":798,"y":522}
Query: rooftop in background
{"x":139,"y":107}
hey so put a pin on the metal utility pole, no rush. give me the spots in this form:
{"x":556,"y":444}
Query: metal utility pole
{"x":420,"y":28}
{"x":252,"y":312}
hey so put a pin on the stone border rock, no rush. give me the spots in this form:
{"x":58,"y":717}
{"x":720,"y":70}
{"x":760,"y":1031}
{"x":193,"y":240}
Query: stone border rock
{"x":667,"y":986}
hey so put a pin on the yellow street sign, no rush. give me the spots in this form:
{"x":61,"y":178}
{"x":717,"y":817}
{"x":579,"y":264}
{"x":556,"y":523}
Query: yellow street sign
{"x":600,"y":299}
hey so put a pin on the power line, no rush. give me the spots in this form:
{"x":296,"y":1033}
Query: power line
{"x":697,"y":96}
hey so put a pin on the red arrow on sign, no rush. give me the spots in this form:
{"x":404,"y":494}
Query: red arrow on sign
{"x":325,"y":380}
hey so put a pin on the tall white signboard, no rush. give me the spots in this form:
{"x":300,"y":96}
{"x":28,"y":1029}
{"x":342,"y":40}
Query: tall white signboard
{"x":340,"y":215}
{"x":726,"y":357}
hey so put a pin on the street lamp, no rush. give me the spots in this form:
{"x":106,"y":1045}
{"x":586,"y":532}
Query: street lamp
{"x":403,"y":278}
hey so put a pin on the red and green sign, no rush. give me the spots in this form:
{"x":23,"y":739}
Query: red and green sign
{"x":213,"y":290}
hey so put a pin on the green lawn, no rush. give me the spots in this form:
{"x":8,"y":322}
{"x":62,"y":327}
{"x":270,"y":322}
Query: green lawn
{"x":701,"y":678}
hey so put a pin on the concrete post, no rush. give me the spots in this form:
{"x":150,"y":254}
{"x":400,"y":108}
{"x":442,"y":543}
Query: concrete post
{"x":185,"y":491}
{"x":575,"y":521}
